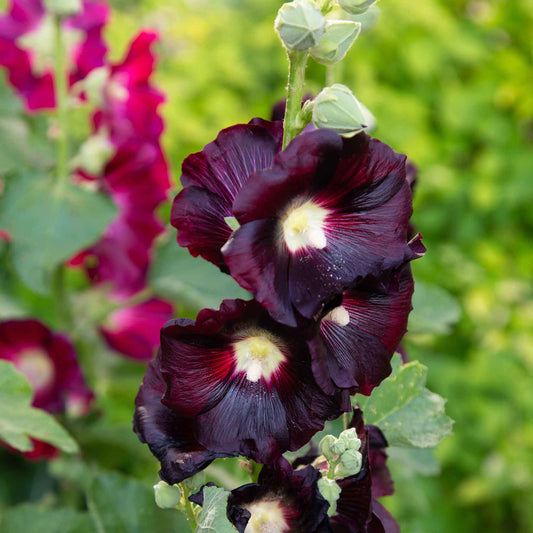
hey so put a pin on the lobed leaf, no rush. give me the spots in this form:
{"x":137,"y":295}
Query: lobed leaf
{"x":408,"y":414}
{"x":19,"y":420}
{"x":49,"y":224}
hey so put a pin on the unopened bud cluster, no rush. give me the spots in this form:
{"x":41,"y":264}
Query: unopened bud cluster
{"x":356,"y":7}
{"x":342,"y":454}
{"x":344,"y":459}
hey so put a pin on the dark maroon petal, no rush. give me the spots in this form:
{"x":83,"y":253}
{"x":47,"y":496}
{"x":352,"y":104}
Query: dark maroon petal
{"x":310,"y":156}
{"x":169,"y":436}
{"x":259,"y":412}
{"x":293,"y":492}
{"x":199,"y":216}
{"x":134,"y":330}
{"x":357,"y":355}
{"x":260,"y":264}
{"x":382,"y":521}
{"x":224,"y":165}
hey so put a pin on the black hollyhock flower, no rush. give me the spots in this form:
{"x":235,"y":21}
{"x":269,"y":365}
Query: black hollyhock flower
{"x":169,"y":436}
{"x":359,"y":336}
{"x":328,"y":213}
{"x":283,"y":500}
{"x":211,"y":180}
{"x":245,"y":381}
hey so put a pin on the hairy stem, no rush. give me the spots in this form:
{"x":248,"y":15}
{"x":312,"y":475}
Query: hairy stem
{"x":295,"y":89}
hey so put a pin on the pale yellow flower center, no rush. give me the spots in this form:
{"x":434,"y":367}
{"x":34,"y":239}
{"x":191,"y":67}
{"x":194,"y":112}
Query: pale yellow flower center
{"x":303,"y":226}
{"x":266,"y":517}
{"x":37,"y":367}
{"x":258,"y":356}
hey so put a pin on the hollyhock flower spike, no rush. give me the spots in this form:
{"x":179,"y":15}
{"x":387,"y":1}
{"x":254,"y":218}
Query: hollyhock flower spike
{"x":49,"y":362}
{"x":330,"y":211}
{"x":134,"y":330}
{"x":211,"y":180}
{"x":134,"y":171}
{"x":26,"y":41}
{"x":359,"y":335}
{"x":245,"y":380}
{"x":169,"y":436}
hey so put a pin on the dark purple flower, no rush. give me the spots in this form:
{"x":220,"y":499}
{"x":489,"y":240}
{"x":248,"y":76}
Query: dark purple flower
{"x":26,"y":47}
{"x":49,"y":362}
{"x":169,"y":436}
{"x":282,"y":500}
{"x":245,"y":380}
{"x":359,"y":336}
{"x":328,"y":213}
{"x":134,"y":330}
{"x":211,"y":180}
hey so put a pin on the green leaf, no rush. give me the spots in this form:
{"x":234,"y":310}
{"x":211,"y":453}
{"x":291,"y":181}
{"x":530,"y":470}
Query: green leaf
{"x":33,"y":519}
{"x":50,"y":224}
{"x":191,"y":281}
{"x":408,"y":414}
{"x":19,"y":420}
{"x":213,"y":517}
{"x":123,"y":505}
{"x":435,"y":310}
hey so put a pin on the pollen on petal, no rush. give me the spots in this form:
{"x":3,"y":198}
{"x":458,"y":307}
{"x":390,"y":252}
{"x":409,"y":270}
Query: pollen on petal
{"x":303,"y":226}
{"x":258,"y":356}
{"x":266,"y":516}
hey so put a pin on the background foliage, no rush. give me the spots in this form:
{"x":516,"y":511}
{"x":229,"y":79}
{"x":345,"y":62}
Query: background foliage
{"x":449,"y":82}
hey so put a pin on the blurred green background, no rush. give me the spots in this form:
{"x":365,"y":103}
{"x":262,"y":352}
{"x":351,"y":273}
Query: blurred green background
{"x":451,"y":85}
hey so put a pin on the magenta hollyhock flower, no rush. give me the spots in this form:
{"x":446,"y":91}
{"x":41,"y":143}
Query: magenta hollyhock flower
{"x":26,"y":47}
{"x":330,"y":212}
{"x":169,"y":436}
{"x":245,"y":380}
{"x":136,"y":175}
{"x":359,"y":335}
{"x":134,"y":330}
{"x":282,"y":500}
{"x":48,"y":360}
{"x":211,"y":180}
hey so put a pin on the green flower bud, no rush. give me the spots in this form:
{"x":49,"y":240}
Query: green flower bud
{"x":63,"y":8}
{"x":94,"y":154}
{"x":338,"y":447}
{"x":300,"y":25}
{"x":338,"y":38}
{"x":337,"y":109}
{"x":167,"y":496}
{"x":349,"y":437}
{"x":356,"y":6}
{"x":330,"y":492}
{"x":350,"y":464}
{"x":326,"y":447}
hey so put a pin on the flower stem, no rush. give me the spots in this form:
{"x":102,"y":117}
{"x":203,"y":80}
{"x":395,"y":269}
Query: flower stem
{"x":295,"y":89}
{"x":61,"y":88}
{"x":187,"y":507}
{"x":330,"y":75}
